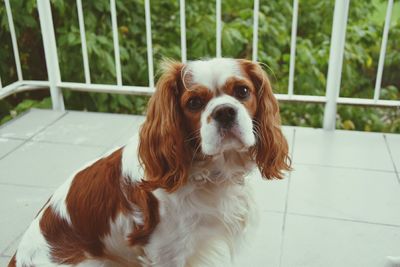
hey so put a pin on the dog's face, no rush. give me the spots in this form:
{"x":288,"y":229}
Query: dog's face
{"x":219,"y":103}
{"x":209,"y":107}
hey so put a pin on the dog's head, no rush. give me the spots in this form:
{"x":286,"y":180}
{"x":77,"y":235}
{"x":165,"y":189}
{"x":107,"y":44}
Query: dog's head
{"x":206,"y":108}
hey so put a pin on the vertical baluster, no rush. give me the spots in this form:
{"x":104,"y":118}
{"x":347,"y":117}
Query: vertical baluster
{"x":382,"y":54}
{"x":50,"y":51}
{"x":335,"y":62}
{"x":149,"y":43}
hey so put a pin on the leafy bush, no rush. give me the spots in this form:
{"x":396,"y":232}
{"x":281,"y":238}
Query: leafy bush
{"x":312,"y":53}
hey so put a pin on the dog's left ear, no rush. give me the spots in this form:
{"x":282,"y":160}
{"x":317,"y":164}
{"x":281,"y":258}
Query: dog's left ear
{"x":161,"y":148}
{"x":271,"y":151}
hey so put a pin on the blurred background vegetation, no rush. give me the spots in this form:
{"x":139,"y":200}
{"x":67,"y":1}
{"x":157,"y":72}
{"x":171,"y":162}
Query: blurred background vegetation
{"x":363,"y":39}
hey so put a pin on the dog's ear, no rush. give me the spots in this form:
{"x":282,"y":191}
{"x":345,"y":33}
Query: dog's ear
{"x":271,"y":151}
{"x":161,"y":148}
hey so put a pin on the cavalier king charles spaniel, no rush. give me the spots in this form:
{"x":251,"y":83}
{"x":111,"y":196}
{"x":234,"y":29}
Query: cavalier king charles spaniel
{"x":178,"y":193}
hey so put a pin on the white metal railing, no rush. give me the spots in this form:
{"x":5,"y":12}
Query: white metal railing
{"x":331,"y":99}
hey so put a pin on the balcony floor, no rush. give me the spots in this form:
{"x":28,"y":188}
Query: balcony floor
{"x":339,"y":207}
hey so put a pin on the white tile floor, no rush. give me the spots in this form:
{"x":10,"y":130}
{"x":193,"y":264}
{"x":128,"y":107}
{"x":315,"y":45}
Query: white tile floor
{"x":339,"y":207}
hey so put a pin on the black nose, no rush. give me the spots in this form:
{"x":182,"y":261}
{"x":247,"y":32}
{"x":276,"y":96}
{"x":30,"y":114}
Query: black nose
{"x":224,"y":115}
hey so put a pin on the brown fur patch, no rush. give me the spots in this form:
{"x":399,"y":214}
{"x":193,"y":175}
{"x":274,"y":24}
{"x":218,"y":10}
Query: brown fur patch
{"x":249,"y":103}
{"x":271,"y":152}
{"x":94,"y":199}
{"x":192,"y":119}
{"x":13,"y":261}
{"x":163,"y":154}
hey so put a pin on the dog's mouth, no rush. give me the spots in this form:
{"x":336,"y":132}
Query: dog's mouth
{"x":230,"y":139}
{"x":234,"y":132}
{"x":228,"y":133}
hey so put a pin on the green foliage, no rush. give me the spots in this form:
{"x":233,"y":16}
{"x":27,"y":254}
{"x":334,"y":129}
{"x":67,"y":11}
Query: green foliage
{"x":25,"y":105}
{"x":363,"y":40}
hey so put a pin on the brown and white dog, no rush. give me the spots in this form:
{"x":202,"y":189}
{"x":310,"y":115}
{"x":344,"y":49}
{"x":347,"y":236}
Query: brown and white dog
{"x":173,"y":195}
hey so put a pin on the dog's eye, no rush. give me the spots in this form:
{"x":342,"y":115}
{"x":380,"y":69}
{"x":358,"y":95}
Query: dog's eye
{"x":195,"y":103}
{"x":241,"y":92}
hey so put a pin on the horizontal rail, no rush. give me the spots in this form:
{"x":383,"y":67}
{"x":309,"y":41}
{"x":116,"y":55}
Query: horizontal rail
{"x":108,"y":88}
{"x":20,"y":86}
{"x":340,"y":100}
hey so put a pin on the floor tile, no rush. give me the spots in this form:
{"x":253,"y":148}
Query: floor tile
{"x":263,"y":247}
{"x":314,"y":242}
{"x":130,"y":132}
{"x":21,"y":204}
{"x":393,"y":141}
{"x":13,"y":246}
{"x":29,"y":124}
{"x":288,"y":132}
{"x":342,"y":148}
{"x":4,"y":260}
{"x":7,"y":145}
{"x":354,"y":194}
{"x":44,"y":164}
{"x":270,"y":195}
{"x":88,"y":128}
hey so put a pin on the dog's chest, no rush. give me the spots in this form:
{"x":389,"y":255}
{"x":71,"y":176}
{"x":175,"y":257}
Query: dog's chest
{"x":194,"y":218}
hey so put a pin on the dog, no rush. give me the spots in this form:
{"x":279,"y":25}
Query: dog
{"x":174,"y":194}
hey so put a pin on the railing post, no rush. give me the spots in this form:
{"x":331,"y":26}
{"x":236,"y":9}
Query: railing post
{"x":183,"y":30}
{"x":256,"y":11}
{"x":50,"y":51}
{"x":218,"y":49}
{"x":293,"y":47}
{"x":382,"y":54}
{"x":335,"y":62}
{"x":83,"y":41}
{"x":149,"y":43}
{"x":117,"y":59}
{"x":13,"y":40}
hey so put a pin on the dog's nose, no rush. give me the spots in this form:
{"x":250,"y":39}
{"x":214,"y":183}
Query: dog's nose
{"x":225,"y":115}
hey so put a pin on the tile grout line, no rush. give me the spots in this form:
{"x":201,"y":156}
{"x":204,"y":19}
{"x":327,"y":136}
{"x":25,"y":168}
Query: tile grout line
{"x":343,"y":167}
{"x":23,"y":143}
{"x":66,"y":143}
{"x":30,"y":138}
{"x":114,"y":145}
{"x":13,"y":138}
{"x":29,"y":186}
{"x":12,"y":242}
{"x":286,"y":202}
{"x":9,"y":123}
{"x":14,"y":119}
{"x":343,"y":219}
{"x":391,"y":157}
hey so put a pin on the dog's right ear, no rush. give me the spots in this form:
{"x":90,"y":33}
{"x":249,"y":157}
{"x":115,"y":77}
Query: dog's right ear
{"x":271,"y":152}
{"x":161,"y":148}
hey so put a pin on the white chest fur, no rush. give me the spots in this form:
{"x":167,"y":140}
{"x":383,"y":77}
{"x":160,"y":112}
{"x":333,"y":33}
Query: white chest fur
{"x":204,"y":222}
{"x":204,"y":219}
